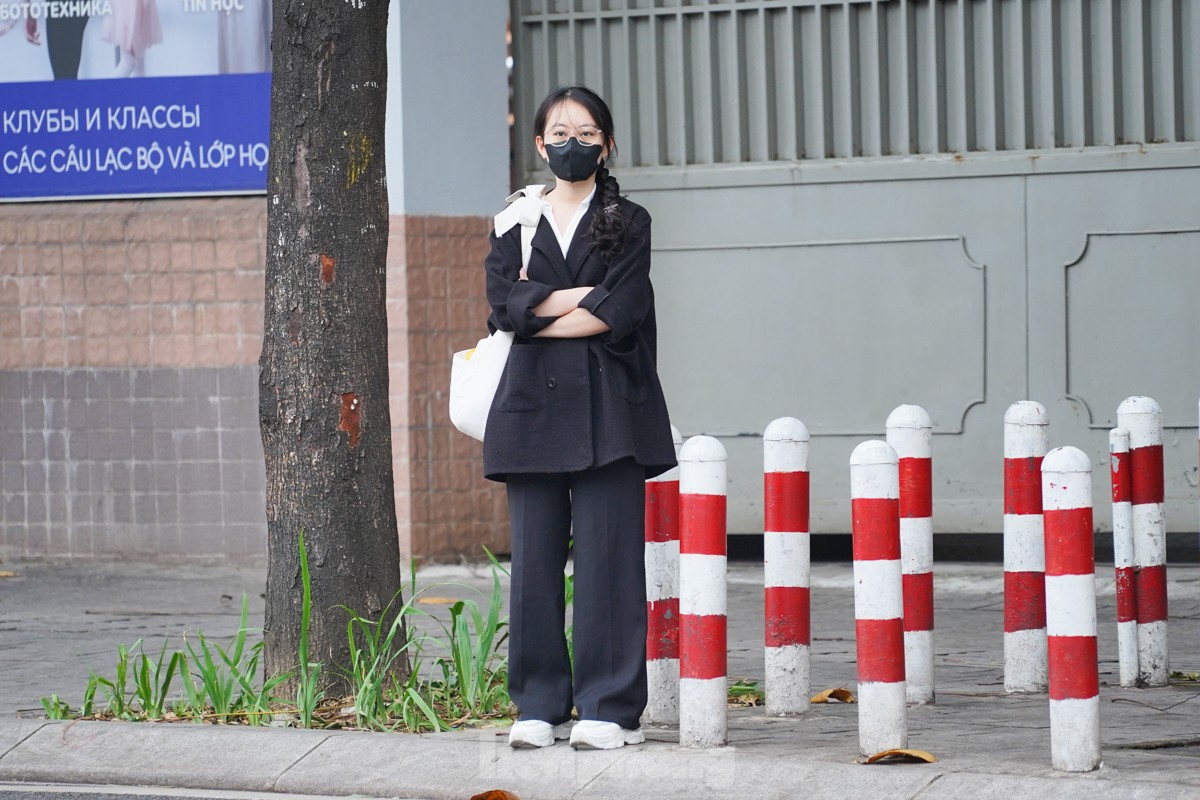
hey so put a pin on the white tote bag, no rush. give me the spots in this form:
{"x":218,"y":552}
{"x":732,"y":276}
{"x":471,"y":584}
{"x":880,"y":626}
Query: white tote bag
{"x":474,"y":377}
{"x":475,"y":373}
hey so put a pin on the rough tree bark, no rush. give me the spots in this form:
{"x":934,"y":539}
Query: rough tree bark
{"x":323,"y":389}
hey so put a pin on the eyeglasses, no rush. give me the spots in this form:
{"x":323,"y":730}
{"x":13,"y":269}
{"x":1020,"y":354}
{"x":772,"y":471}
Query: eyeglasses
{"x":585,"y":135}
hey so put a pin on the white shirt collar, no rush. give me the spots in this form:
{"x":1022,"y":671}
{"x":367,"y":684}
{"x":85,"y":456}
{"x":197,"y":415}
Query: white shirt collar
{"x":565,"y":237}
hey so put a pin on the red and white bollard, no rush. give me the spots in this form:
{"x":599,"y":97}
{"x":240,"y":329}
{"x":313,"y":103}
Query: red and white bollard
{"x":1142,"y":417}
{"x":662,"y":595}
{"x":1071,"y":610}
{"x":910,"y":433}
{"x":702,"y":593}
{"x":878,"y":597}
{"x":786,"y":565}
{"x":1026,"y":439}
{"x":1122,"y":520}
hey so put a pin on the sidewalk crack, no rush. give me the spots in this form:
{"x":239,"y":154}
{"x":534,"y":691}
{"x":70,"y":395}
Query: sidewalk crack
{"x":304,"y":755}
{"x":24,"y":739}
{"x":595,"y":777}
{"x":926,"y":787}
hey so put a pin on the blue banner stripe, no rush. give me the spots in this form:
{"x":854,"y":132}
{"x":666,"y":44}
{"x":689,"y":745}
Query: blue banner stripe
{"x":134,"y":136}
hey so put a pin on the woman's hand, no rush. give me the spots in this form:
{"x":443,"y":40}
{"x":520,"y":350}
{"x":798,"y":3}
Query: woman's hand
{"x":574,"y":325}
{"x":561,"y":302}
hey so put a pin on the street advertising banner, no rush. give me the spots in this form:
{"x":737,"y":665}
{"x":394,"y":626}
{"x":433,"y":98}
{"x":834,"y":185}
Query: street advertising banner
{"x":120,"y":98}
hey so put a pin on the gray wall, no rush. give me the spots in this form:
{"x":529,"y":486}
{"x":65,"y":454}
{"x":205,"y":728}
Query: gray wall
{"x":447,"y":126}
{"x":863,"y":204}
{"x":153,"y":463}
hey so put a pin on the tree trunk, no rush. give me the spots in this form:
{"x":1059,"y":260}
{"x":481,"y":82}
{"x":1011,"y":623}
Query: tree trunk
{"x":323,"y":389}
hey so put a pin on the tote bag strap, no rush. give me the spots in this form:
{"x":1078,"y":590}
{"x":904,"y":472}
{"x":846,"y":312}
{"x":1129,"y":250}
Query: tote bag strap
{"x":525,"y":209}
{"x":527,"y":232}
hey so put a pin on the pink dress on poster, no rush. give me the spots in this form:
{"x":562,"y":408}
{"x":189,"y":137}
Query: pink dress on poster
{"x":133,"y":26}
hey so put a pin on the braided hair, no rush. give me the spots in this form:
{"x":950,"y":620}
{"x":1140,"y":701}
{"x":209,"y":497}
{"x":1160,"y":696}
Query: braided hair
{"x":608,"y":224}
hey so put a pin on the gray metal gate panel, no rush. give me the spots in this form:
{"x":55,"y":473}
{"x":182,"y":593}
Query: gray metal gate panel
{"x":836,"y":300}
{"x":1114,"y":281}
{"x":883,"y":293}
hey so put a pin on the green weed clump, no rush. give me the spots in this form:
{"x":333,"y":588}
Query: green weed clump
{"x":469,"y":681}
{"x":224,"y":684}
{"x":219,"y":683}
{"x":55,"y":708}
{"x":400,"y":679}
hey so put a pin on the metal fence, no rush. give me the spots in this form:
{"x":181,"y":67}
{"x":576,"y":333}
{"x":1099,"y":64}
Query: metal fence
{"x":745,"y":81}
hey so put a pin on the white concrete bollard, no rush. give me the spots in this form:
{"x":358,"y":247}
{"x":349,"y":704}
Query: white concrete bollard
{"x":703,"y":662}
{"x":662,"y":595}
{"x":910,"y":433}
{"x":1122,"y":520}
{"x":1026,"y":440}
{"x":1142,"y":417}
{"x":1071,"y":610}
{"x":786,"y":565}
{"x":878,"y":598}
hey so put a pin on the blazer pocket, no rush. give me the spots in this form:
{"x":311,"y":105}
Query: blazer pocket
{"x":626,"y":369}
{"x":523,"y":385}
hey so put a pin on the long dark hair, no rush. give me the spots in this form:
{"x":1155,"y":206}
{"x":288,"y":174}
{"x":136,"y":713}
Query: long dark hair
{"x":608,"y":224}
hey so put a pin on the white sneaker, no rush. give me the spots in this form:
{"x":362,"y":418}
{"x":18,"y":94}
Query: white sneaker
{"x":535,"y":733}
{"x":603,"y":735}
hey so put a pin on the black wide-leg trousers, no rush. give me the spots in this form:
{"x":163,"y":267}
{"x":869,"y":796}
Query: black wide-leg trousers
{"x":603,"y":509}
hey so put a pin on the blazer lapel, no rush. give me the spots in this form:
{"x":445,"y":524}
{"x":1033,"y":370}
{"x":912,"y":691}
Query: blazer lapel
{"x":546,"y":242}
{"x":581,"y":244}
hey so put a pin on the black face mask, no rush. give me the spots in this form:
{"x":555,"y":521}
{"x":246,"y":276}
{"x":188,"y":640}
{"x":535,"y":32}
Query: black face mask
{"x":573,"y":161}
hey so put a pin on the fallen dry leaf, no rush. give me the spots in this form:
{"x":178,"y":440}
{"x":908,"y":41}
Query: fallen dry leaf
{"x":437,"y":601}
{"x":843,"y":695}
{"x":495,"y":794}
{"x":901,"y":756}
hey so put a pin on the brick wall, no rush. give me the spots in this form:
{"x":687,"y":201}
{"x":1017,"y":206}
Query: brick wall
{"x":168,"y":283}
{"x":452,"y":511}
{"x":129,"y":340}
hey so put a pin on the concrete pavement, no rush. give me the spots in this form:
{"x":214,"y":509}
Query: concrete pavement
{"x":57,"y":619}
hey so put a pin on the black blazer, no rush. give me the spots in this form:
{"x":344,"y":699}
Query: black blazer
{"x":565,"y":405}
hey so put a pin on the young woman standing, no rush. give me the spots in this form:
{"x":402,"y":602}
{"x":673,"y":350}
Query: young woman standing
{"x":578,"y":424}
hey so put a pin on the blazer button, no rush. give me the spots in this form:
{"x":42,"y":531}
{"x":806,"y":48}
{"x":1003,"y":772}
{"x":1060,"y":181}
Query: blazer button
{"x":551,"y":383}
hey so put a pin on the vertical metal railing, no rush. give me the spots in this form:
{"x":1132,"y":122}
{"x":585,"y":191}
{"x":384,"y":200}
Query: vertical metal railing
{"x":746,"y":81}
